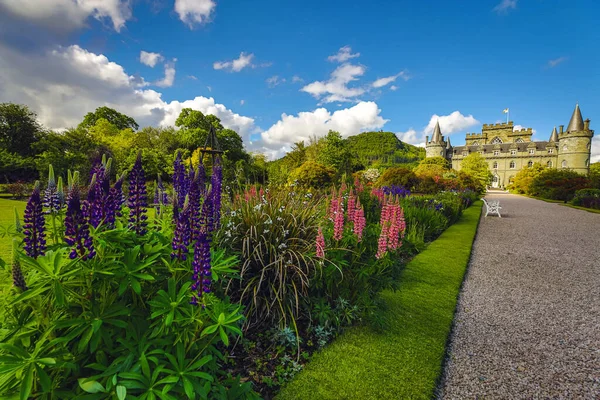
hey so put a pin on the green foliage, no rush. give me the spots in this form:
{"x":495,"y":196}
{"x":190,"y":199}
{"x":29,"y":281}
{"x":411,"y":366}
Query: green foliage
{"x":589,"y":198}
{"x":524,"y":178}
{"x":312,"y":174}
{"x":19,"y":129}
{"x":383,"y":149}
{"x":475,"y":165}
{"x":334,"y":153}
{"x":595,"y":175}
{"x":115,"y":118}
{"x":432,"y":166}
{"x":406,"y":359}
{"x":398,"y":176}
{"x":558,"y":184}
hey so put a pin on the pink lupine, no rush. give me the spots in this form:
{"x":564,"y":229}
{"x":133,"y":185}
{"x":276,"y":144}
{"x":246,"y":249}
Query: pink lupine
{"x":320,"y":244}
{"x":338,"y":222}
{"x":333,"y":207}
{"x":351,"y":207}
{"x":358,"y":185}
{"x":359,"y":221}
{"x":379,"y":194}
{"x":381,"y":245}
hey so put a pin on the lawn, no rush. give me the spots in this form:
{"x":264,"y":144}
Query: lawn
{"x":405,"y":360}
{"x":7,"y":217}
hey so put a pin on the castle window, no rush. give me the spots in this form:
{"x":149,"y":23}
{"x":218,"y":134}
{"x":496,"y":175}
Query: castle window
{"x":475,"y":143}
{"x":495,"y":165}
{"x":512,"y":165}
{"x":550,"y":151}
{"x":442,"y":153}
{"x":465,"y":153}
{"x":531,"y":151}
{"x":564,"y":163}
{"x":549,"y":164}
{"x":496,"y":152}
{"x":587,"y":163}
{"x":519,"y":140}
{"x":530,"y":164}
{"x":513,"y":152}
{"x":565,"y":148}
{"x":496,"y":140}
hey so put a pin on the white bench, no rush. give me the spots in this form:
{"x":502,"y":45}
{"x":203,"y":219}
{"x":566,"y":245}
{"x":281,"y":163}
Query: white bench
{"x":492,"y":207}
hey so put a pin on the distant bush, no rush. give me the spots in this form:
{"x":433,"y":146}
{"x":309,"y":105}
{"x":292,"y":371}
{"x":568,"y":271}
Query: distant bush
{"x":589,"y":198}
{"x":558,"y":184}
{"x":18,"y":189}
{"x":312,"y":174}
{"x":524,"y":178}
{"x":398,"y":176}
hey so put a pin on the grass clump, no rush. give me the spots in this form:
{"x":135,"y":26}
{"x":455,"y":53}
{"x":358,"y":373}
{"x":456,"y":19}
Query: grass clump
{"x":405,"y":360}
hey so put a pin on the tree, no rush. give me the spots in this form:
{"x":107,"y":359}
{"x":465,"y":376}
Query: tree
{"x":398,"y":176}
{"x":523,"y":179}
{"x":558,"y":184}
{"x":19,"y":129}
{"x":475,"y":165}
{"x":335,"y":153}
{"x":432,"y":166}
{"x":312,"y":174}
{"x":121,"y":121}
{"x":595,"y":175}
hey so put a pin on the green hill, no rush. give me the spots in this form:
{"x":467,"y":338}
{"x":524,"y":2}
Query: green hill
{"x":383,"y":149}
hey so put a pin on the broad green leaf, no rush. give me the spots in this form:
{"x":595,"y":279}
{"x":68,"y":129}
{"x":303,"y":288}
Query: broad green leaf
{"x":198,"y":364}
{"x":14,"y":350}
{"x":169,"y":319}
{"x":44,"y":379}
{"x":47,"y":361}
{"x":28,"y":294}
{"x":26,"y":383}
{"x":189,"y":388}
{"x":91,"y":386}
{"x":224,"y":336}
{"x":83,"y":342}
{"x":210,"y":329}
{"x":135,"y":285}
{"x":121,"y":392}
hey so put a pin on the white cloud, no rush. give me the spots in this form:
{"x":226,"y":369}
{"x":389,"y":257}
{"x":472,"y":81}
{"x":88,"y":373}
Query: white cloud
{"x":274,"y":81}
{"x":297,"y":79}
{"x":243,"y":61}
{"x":519,"y":127}
{"x":150,"y":59}
{"x":556,"y":61}
{"x":192,"y":77}
{"x":169,"y":77}
{"x":349,"y":121}
{"x":343,"y":55}
{"x":242,"y":102}
{"x":386,"y":81}
{"x":336,"y":88}
{"x":504,"y":6}
{"x":449,"y":124}
{"x":393,"y":88}
{"x":67,"y":15}
{"x":209,"y":88}
{"x":193,"y":12}
{"x":595,"y":150}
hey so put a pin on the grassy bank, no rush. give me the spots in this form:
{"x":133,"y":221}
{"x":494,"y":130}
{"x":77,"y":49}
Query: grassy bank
{"x":405,"y":360}
{"x":7,"y":217}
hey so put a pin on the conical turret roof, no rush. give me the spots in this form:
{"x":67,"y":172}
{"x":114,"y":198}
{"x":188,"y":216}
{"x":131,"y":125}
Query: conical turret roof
{"x":554,"y":136}
{"x":576,"y":123}
{"x":437,"y":133}
{"x":448,"y":145}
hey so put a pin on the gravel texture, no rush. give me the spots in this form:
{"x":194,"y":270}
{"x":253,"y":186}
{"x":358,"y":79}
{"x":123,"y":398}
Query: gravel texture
{"x":528,"y":318}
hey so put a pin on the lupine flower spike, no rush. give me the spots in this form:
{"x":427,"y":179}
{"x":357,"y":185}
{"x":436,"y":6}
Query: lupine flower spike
{"x":51,"y":198}
{"x":359,"y":220}
{"x":77,"y":231}
{"x":137,"y":198}
{"x":320,"y":244}
{"x":17,"y":274}
{"x":34,"y":228}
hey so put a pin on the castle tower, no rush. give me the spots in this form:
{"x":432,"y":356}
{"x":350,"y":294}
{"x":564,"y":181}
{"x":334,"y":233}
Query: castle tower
{"x":437,"y":146}
{"x":574,"y":144}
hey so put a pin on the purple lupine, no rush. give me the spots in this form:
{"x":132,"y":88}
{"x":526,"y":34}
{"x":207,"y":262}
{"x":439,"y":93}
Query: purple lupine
{"x":77,"y":231}
{"x":194,"y":199}
{"x":179,"y":180}
{"x":60,"y":192}
{"x":114,"y":202}
{"x":138,"y":201}
{"x":51,"y":198}
{"x":201,"y":177}
{"x":181,"y":235}
{"x":216,"y":184}
{"x":396,"y":190}
{"x":160,"y":195}
{"x":202,"y":270}
{"x":94,"y":206}
{"x":34,"y":227}
{"x":17,"y":276}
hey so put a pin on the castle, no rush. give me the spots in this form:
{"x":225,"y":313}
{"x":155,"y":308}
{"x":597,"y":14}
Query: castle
{"x":507,"y":151}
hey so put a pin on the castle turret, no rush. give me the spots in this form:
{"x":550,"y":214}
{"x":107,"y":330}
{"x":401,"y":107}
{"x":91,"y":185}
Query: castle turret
{"x":437,"y":146}
{"x":554,"y":136}
{"x":574,"y":144}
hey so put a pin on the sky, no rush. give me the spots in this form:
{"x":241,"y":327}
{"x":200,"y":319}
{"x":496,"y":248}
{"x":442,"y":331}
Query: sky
{"x":279,"y":72}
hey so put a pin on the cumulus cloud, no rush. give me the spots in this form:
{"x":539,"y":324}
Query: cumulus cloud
{"x":393,"y":88}
{"x":595,"y":150}
{"x":169,"y":77}
{"x":68,"y":15}
{"x":449,"y":124}
{"x":505,"y":6}
{"x":192,"y":77}
{"x":381,"y":82}
{"x":349,"y":121}
{"x":150,"y":59}
{"x":242,"y":102}
{"x":236,"y":65}
{"x":519,"y":127}
{"x":556,"y":61}
{"x":274,"y":81}
{"x":344,"y":54}
{"x":336,"y":88}
{"x":297,"y":79}
{"x":193,"y":12}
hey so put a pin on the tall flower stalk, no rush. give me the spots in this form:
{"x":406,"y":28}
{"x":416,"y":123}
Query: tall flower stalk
{"x":17,"y":273}
{"x":77,"y":230}
{"x":34,"y":227}
{"x":138,"y":201}
{"x":52,"y":201}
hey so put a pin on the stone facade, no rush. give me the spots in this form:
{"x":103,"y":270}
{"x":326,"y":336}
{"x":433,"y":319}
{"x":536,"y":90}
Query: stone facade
{"x":508,"y":151}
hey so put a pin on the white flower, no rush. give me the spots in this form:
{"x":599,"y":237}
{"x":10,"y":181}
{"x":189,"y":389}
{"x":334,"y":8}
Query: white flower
{"x":282,"y":246}
{"x":266,"y":231}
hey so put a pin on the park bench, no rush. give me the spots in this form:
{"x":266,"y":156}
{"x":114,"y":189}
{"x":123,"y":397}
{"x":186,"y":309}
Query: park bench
{"x":492,"y":207}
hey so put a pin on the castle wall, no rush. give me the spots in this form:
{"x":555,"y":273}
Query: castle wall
{"x":574,"y":149}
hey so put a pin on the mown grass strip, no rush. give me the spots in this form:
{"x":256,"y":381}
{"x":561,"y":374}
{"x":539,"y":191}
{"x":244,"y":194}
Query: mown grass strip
{"x":7,"y":217}
{"x":404,"y":361}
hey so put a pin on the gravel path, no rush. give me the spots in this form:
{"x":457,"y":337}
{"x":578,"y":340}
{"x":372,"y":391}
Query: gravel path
{"x":528,"y":319}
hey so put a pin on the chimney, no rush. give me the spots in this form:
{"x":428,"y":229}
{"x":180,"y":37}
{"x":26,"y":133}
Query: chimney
{"x":586,"y":125}
{"x":561,"y":127}
{"x":426,"y":139}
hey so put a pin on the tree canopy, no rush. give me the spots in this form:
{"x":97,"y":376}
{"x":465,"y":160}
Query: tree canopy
{"x":19,"y":129}
{"x":475,"y":165}
{"x":120,"y":121}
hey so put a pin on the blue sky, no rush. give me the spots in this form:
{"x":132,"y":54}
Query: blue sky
{"x":461,"y":61}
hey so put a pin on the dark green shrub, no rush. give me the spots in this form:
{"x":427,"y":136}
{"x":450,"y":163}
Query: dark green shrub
{"x":398,"y":176}
{"x":312,"y":174}
{"x":589,"y":198}
{"x":558,"y":184}
{"x":19,"y":190}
